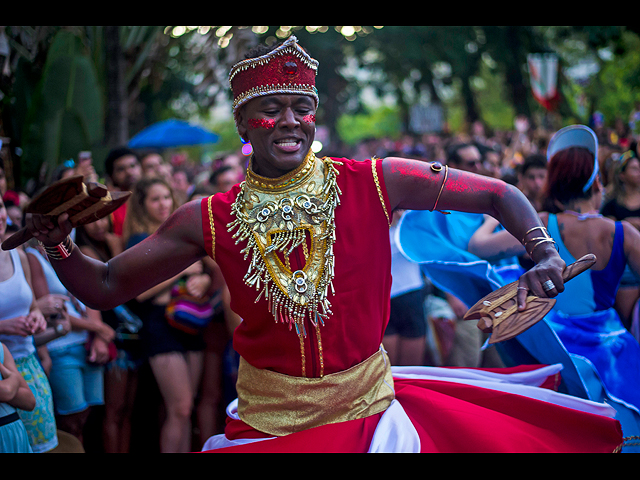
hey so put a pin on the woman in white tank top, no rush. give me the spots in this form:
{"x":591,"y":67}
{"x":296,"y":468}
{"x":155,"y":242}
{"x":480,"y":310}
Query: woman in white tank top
{"x":20,"y":319}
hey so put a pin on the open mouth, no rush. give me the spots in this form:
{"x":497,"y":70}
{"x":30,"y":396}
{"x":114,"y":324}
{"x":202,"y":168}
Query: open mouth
{"x":288,"y":145}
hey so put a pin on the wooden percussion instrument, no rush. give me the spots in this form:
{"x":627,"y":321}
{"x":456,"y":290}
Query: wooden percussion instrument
{"x":498,"y":314}
{"x":85,"y":203}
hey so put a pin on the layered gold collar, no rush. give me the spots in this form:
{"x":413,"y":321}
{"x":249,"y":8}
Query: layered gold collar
{"x":290,"y":180}
{"x":275,"y":217}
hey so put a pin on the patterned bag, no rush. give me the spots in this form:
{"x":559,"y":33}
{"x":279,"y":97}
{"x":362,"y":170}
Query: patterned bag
{"x":188,"y":313}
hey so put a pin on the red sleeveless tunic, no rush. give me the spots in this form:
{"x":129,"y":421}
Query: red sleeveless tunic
{"x":362,"y":281}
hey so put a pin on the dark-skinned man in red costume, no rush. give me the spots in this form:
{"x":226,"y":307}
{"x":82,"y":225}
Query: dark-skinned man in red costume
{"x":303,"y":244}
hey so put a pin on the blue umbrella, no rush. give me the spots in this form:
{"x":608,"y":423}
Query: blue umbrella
{"x":172,"y":133}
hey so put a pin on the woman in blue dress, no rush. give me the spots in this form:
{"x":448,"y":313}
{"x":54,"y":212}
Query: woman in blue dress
{"x":584,"y":317}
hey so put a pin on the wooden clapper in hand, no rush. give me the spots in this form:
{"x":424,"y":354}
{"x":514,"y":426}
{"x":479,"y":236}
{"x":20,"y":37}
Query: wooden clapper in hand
{"x":497,"y":313}
{"x":85,"y":203}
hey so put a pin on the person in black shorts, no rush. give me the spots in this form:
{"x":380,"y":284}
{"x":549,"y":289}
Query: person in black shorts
{"x":405,"y":336}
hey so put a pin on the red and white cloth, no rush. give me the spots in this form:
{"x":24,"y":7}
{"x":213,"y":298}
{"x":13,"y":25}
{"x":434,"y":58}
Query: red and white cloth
{"x":440,"y":410}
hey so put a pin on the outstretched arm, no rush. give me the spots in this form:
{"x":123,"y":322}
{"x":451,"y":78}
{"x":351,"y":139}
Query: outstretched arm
{"x":415,"y":185}
{"x":173,"y":247}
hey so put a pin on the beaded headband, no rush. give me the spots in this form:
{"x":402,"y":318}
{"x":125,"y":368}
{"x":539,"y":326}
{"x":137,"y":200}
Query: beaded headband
{"x":288,"y":69}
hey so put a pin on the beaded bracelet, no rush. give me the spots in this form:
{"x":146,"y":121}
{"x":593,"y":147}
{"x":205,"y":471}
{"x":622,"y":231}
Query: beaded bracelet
{"x":61,"y":251}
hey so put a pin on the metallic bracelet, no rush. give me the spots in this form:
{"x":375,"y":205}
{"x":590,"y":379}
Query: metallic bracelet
{"x":536,"y":239}
{"x":437,"y":167}
{"x":546,"y":240}
{"x":544,"y":232}
{"x":540,"y":240}
{"x":61,"y":251}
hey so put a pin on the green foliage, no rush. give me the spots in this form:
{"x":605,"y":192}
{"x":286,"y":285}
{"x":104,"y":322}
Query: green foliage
{"x":380,"y":122}
{"x":620,"y":82}
{"x":491,"y":95}
{"x":65,"y":115}
{"x":229,"y":140}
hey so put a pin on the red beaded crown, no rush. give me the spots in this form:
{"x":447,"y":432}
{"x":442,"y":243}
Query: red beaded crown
{"x":287,"y":69}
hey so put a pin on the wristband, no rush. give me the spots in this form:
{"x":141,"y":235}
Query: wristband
{"x":546,"y":238}
{"x":61,"y":251}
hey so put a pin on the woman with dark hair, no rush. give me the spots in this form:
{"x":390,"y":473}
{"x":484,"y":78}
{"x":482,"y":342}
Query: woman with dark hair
{"x":623,"y":197}
{"x":622,"y":202}
{"x":583,"y":317}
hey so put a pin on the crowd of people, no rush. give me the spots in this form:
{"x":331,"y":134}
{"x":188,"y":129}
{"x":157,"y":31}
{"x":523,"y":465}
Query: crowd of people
{"x":102,"y":380}
{"x":156,"y":373}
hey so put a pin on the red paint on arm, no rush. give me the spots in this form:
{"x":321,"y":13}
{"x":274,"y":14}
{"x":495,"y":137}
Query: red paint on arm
{"x":460,"y":182}
{"x":415,"y":170}
{"x":413,"y":184}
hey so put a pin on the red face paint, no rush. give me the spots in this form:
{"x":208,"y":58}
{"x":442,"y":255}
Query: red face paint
{"x":266,"y":123}
{"x":309,"y":119}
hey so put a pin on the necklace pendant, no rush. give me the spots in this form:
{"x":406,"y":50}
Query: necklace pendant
{"x":276,"y":221}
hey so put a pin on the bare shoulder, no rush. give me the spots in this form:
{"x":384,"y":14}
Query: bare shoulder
{"x":544,"y":217}
{"x":22,"y":254}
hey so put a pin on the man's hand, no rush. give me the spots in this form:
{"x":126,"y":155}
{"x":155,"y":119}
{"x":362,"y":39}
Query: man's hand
{"x":198,"y":285}
{"x":544,"y":280}
{"x":52,"y":303}
{"x":106,"y":333}
{"x":48,"y":230}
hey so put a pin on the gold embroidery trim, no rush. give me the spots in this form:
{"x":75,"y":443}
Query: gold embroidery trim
{"x":279,"y":404}
{"x":320,"y":351}
{"x":303,"y":356}
{"x":377,"y":182}
{"x":213,"y":229}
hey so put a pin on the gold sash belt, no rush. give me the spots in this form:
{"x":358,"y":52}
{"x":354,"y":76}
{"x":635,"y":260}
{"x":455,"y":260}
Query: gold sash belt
{"x":280,"y":404}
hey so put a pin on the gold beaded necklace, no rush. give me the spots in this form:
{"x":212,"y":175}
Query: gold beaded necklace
{"x":275,"y":216}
